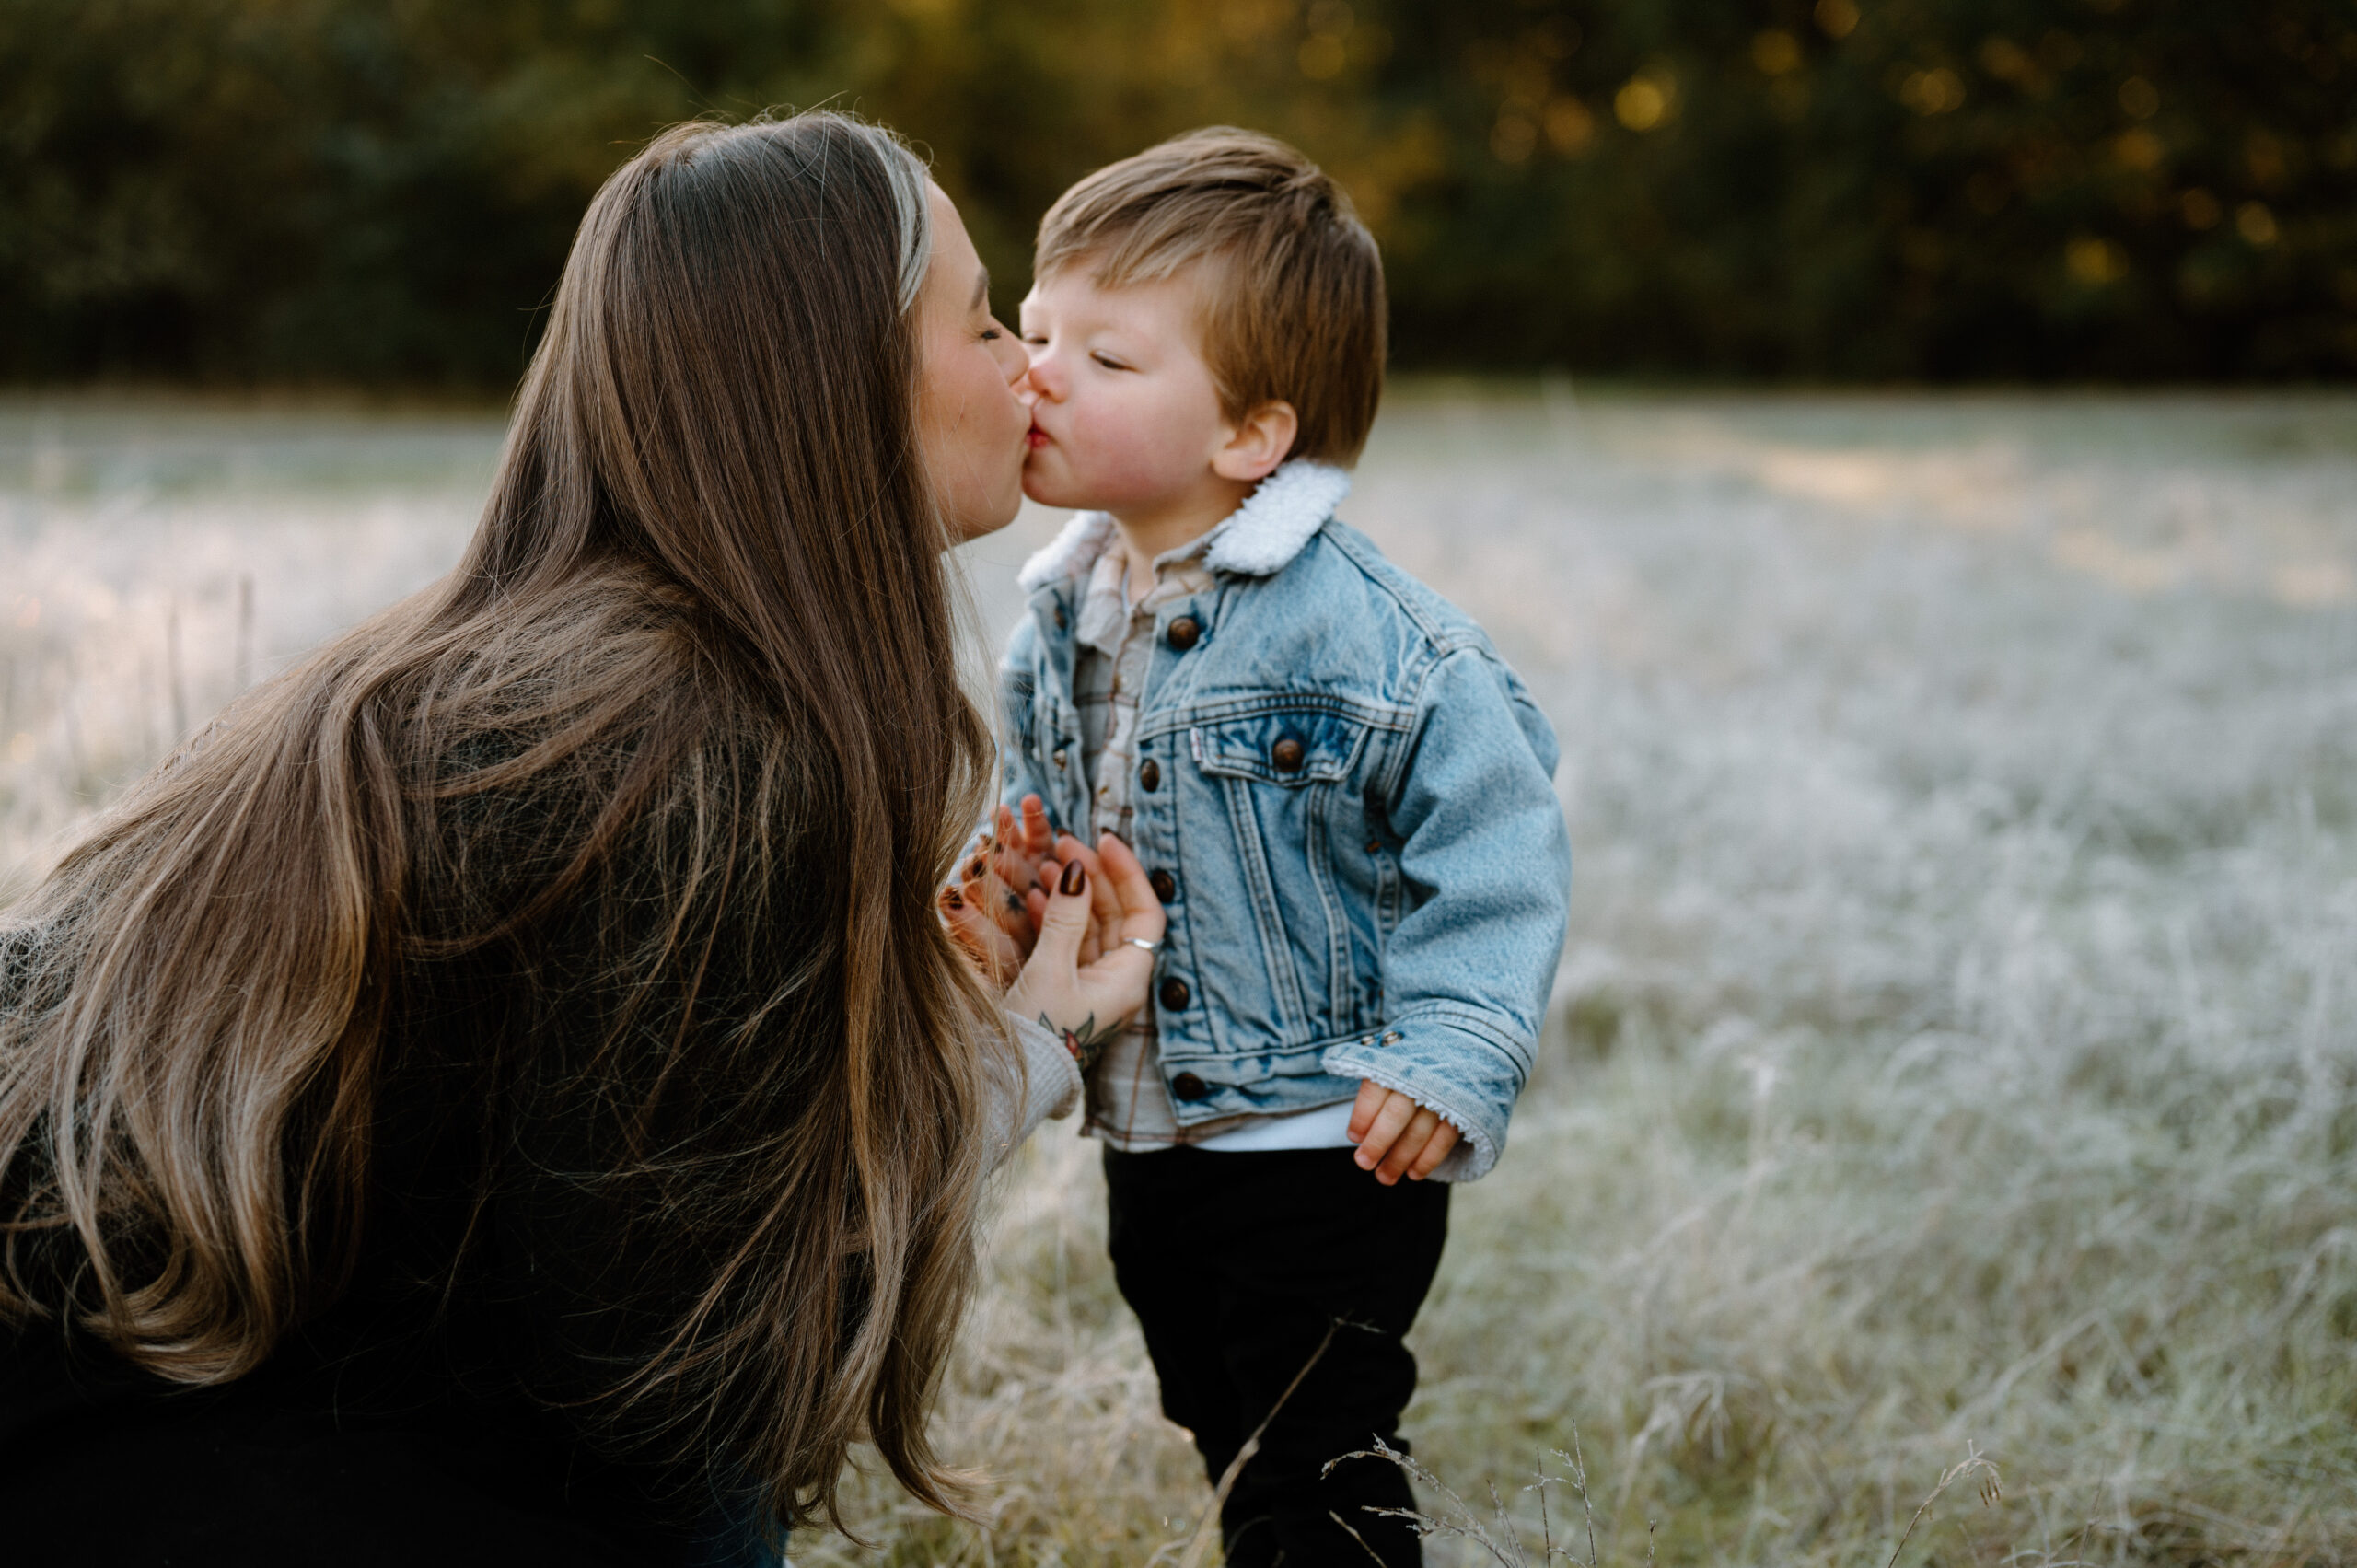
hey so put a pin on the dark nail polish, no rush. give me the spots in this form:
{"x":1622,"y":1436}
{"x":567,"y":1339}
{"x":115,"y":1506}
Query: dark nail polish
{"x":975,"y":870}
{"x":1076,"y":878}
{"x":949,"y":896}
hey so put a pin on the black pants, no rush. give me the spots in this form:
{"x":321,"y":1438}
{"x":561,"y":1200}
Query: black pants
{"x":1236,"y":1265}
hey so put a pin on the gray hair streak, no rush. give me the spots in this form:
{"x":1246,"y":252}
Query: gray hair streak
{"x":911,"y":199}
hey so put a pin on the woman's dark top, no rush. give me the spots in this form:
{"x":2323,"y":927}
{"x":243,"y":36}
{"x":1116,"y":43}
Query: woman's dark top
{"x":514,"y":1263}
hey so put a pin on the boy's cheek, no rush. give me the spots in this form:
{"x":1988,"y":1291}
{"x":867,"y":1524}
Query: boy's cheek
{"x":1058,"y":475}
{"x":1107,"y":456}
{"x":1049,"y":482}
{"x":1120,"y":452}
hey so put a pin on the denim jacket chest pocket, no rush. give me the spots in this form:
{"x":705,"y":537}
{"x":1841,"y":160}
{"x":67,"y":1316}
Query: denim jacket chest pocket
{"x":1296,"y":873}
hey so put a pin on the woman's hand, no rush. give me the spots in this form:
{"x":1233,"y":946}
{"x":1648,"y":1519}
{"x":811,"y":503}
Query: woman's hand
{"x":1098,"y":928}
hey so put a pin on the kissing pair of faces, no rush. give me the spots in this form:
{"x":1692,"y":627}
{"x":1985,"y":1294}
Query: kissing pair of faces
{"x":1105,"y":404}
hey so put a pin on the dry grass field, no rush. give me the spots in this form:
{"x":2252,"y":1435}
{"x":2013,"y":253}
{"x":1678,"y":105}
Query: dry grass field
{"x":1956,"y":1049}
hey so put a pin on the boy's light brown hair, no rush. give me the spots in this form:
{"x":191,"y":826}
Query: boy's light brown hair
{"x":1290,"y":282}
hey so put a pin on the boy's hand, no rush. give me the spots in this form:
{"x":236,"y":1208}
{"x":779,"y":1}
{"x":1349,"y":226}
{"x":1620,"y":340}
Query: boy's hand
{"x":1396,"y":1136}
{"x":993,"y":906}
{"x":1018,"y":846}
{"x":980,"y":937}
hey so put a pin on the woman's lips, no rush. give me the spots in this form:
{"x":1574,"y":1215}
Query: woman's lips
{"x":1037,"y":439}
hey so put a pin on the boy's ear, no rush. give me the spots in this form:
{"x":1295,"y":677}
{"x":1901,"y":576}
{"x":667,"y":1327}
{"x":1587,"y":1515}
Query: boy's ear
{"x":1259,"y":443}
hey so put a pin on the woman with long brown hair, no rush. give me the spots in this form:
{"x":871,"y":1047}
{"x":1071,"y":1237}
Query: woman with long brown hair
{"x":506,"y":1092}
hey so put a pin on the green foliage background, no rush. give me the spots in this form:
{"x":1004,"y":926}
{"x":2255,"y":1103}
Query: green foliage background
{"x":382,"y":190}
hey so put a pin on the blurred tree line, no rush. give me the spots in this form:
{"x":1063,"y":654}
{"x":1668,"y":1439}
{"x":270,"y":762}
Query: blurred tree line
{"x":383,"y":190}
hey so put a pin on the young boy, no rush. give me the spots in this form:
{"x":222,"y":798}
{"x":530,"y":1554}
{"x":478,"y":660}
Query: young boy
{"x":1340,"y":791}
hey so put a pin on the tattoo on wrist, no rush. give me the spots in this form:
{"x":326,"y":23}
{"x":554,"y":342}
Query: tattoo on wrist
{"x":1088,"y":1042}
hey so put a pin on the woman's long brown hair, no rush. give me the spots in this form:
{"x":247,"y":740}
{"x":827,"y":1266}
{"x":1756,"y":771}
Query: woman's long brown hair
{"x":704,"y":627}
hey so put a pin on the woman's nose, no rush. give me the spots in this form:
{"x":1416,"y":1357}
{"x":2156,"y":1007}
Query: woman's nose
{"x":1010,"y":354}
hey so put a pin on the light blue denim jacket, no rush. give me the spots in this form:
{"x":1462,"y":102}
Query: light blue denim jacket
{"x":1349,"y":792}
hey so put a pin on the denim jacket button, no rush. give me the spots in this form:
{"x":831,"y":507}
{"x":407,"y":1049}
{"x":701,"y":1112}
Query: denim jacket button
{"x":1183,"y":633}
{"x":1287,"y":755}
{"x":1149,"y":775}
{"x":1059,"y":756}
{"x":1165,"y":887}
{"x":1174,"y":995}
{"x":1186,"y":1086}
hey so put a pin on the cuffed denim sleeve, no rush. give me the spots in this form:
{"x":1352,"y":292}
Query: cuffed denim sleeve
{"x":1021,"y":771}
{"x":1485,"y":862}
{"x":1018,"y":769}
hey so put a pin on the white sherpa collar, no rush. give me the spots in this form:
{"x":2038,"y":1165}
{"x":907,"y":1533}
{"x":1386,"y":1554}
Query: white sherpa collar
{"x":1070,"y":555}
{"x":1258,"y":540}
